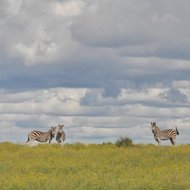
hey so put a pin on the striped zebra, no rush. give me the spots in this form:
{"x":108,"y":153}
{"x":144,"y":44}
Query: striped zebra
{"x":41,"y":136}
{"x":165,"y":134}
{"x":60,"y":137}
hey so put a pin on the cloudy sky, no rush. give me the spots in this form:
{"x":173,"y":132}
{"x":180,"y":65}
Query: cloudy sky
{"x":104,"y":68}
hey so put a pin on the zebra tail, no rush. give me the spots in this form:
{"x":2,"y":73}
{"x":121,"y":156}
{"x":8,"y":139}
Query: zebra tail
{"x":177,"y":132}
{"x":27,"y":140}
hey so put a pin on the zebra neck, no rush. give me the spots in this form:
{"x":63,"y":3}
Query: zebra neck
{"x":157,"y":132}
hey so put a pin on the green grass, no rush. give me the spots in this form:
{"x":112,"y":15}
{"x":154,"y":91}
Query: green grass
{"x":94,"y":167}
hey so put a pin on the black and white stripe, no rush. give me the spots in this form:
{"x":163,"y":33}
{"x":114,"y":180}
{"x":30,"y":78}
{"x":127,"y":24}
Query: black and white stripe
{"x":60,"y":137}
{"x":41,"y":136}
{"x":164,"y":134}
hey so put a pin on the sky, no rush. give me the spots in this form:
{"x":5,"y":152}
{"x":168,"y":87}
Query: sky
{"x":105,"y":69}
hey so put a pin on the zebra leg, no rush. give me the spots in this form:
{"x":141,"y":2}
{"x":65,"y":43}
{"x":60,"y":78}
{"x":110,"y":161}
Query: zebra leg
{"x":158,"y":141}
{"x":172,"y":141}
{"x":50,"y":139}
{"x":62,"y":142}
{"x":63,"y":139}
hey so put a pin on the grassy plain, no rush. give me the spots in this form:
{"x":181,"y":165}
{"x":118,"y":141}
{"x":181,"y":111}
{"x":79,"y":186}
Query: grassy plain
{"x":94,"y":167}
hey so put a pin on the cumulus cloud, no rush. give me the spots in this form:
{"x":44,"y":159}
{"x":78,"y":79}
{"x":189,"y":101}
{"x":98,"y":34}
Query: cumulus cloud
{"x":142,"y":28}
{"x":87,"y":119}
{"x":38,"y":31}
{"x":68,"y":8}
{"x":174,"y":95}
{"x":48,"y":31}
{"x":104,"y":68}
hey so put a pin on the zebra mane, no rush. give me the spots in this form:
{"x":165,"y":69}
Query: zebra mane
{"x":51,"y":129}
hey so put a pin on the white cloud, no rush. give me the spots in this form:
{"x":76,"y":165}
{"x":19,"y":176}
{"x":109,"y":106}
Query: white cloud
{"x":14,"y":6}
{"x":69,"y":8}
{"x":103,"y":67}
{"x":146,"y":28}
{"x":39,"y":51}
{"x":33,"y":32}
{"x":52,"y":31}
{"x":42,"y":101}
{"x":106,"y":119}
{"x":181,"y":84}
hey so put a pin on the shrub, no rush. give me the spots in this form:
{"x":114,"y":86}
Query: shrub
{"x":107,"y":143}
{"x":124,"y":142}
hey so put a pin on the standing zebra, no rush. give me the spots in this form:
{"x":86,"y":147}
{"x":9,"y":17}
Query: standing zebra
{"x":165,"y":134}
{"x":42,"y":136}
{"x":60,"y":137}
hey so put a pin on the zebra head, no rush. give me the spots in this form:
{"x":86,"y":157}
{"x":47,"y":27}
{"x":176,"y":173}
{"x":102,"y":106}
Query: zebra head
{"x":53,"y":131}
{"x":60,"y":126}
{"x":154,"y":127}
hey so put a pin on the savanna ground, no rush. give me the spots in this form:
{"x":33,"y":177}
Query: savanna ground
{"x":94,"y":167}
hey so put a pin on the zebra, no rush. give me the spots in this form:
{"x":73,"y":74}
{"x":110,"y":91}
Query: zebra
{"x":60,"y":137}
{"x":42,"y":136}
{"x":164,"y":134}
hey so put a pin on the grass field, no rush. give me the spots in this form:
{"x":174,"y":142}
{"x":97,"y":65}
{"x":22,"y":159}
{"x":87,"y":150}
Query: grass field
{"x":100,"y":167}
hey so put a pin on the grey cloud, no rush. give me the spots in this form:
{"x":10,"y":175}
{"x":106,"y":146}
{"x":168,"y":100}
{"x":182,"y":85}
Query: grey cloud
{"x":29,"y":33}
{"x":31,"y":124}
{"x":111,"y":77}
{"x":113,"y":24}
{"x":105,"y":47}
{"x":90,"y":98}
{"x":153,"y":26}
{"x":146,"y":28}
{"x":174,"y":95}
{"x":103,"y":120}
{"x":3,"y":9}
